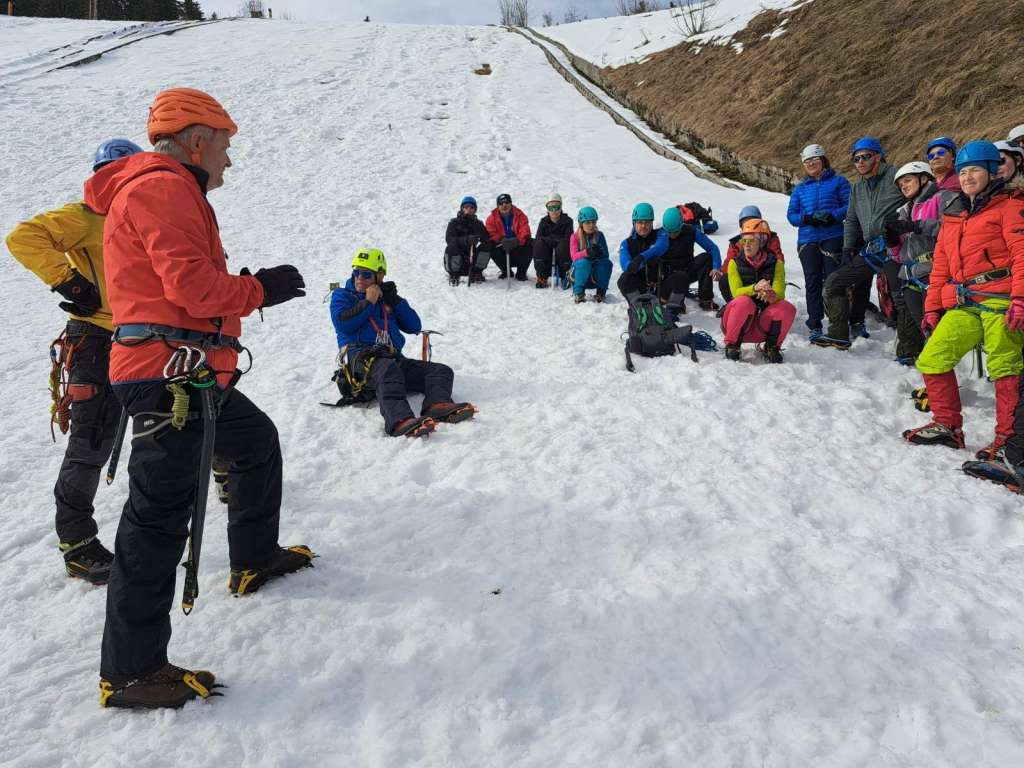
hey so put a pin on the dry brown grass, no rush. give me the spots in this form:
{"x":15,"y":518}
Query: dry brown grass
{"x":901,"y":70}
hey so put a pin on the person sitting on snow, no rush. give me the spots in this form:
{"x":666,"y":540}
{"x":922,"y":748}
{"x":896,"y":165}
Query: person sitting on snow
{"x":591,"y":264}
{"x":680,"y":267}
{"x":370,"y":317}
{"x":509,"y":232}
{"x":639,"y":255}
{"x":774,"y":245}
{"x":468,"y":246}
{"x":758,"y":310}
{"x":551,"y":243}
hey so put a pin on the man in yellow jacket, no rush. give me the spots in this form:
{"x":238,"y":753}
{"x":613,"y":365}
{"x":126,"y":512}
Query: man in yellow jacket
{"x":64,"y":248}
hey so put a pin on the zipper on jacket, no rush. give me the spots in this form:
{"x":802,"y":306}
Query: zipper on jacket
{"x":95,"y":277}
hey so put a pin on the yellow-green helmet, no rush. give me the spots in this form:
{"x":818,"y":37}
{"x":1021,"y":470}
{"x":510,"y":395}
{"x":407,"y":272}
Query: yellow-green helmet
{"x":371,"y":259}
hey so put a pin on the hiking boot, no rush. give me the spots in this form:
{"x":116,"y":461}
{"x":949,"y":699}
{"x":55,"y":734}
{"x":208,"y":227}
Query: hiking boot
{"x":599,"y":297}
{"x":503,"y":275}
{"x":476,"y":276}
{"x":732,"y":351}
{"x":708,"y":305}
{"x":994,"y":451}
{"x":88,"y":560}
{"x":859,"y":331}
{"x":934,"y":433}
{"x":772,"y":353}
{"x":521,"y":278}
{"x":542,"y":282}
{"x":907,"y":360}
{"x":821,"y":340}
{"x":287,"y":560}
{"x":579,"y":298}
{"x":453,"y":280}
{"x":413,"y":427}
{"x":451,"y":413}
{"x":997,"y":472}
{"x":169,"y":687}
{"x":720,"y":312}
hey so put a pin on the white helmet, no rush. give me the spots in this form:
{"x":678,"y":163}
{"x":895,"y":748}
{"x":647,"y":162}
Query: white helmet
{"x":1016,"y":133}
{"x":917,"y":166}
{"x":1005,"y":146}
{"x":554,"y":197}
{"x":812,"y":151}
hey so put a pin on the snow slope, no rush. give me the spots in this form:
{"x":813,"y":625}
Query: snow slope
{"x":618,"y":40}
{"x":721,"y":564}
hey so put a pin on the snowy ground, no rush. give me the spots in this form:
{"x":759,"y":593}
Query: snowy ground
{"x":722,"y":564}
{"x":620,"y":40}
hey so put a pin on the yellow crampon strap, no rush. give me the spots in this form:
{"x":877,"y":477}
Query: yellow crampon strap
{"x":179,"y":406}
{"x":244,"y":580}
{"x":192,"y":682}
{"x":106,"y":691}
{"x":301,"y":550}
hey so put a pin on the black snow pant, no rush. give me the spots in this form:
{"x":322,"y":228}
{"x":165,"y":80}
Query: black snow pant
{"x":909,"y":339}
{"x":392,"y":378}
{"x":151,"y":536}
{"x":547,"y":249}
{"x":724,"y":289}
{"x":456,"y":259}
{"x":818,"y":261}
{"x":914,"y":300}
{"x":850,"y":279}
{"x":677,"y":276}
{"x":520,"y":259}
{"x":94,"y":416}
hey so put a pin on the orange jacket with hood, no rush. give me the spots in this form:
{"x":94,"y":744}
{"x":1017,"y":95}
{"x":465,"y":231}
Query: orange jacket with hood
{"x":164,"y":262}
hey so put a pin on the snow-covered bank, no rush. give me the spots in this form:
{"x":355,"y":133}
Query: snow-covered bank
{"x":788,"y":585}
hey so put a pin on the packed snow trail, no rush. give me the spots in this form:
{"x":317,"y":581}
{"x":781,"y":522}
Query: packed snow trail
{"x":705,"y":565}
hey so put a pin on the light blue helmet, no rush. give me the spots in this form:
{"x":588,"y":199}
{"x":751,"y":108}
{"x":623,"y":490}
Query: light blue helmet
{"x":587,"y":213}
{"x":983,"y":153}
{"x":111,"y":150}
{"x":643,"y":212}
{"x":750,"y":212}
{"x":672,"y":220}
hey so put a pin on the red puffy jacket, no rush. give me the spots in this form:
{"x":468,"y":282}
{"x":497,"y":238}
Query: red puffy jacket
{"x":164,"y":262}
{"x":970,"y":245}
{"x":520,"y":225}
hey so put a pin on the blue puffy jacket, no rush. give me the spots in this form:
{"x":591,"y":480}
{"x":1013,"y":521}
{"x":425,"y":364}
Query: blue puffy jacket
{"x":653,"y":251}
{"x":829,"y":193}
{"x":354,"y":318}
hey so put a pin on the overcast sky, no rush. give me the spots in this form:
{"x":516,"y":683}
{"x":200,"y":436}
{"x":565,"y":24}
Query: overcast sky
{"x":413,"y":11}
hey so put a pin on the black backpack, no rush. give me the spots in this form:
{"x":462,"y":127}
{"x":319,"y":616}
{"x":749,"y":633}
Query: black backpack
{"x":652,"y":330}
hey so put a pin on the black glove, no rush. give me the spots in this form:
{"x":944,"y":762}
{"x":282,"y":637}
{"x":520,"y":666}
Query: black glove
{"x":509,"y":244}
{"x":389,"y":294}
{"x":635,"y":263}
{"x":823,"y":219}
{"x":896,"y":227}
{"x":82,"y":297}
{"x":809,"y":220}
{"x":593,"y":252}
{"x":280,"y":284}
{"x":472,"y":241}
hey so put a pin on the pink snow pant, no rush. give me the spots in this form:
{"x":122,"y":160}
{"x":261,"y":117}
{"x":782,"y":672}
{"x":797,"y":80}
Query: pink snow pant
{"x":741,"y":313}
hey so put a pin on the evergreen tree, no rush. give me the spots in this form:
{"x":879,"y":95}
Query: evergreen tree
{"x":190,"y":10}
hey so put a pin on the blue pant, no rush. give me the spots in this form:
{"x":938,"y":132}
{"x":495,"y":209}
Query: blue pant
{"x":818,"y":264}
{"x":584,"y":269}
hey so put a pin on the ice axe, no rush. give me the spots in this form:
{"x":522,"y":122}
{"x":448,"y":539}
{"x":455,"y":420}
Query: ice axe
{"x":428,"y":348}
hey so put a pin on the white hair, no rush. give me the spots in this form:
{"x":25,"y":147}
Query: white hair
{"x":174,"y":145}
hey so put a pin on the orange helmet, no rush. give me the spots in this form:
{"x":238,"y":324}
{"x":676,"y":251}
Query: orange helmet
{"x":176,"y":109}
{"x":755,"y":227}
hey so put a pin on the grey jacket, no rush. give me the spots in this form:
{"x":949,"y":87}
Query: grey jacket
{"x":872,"y":201}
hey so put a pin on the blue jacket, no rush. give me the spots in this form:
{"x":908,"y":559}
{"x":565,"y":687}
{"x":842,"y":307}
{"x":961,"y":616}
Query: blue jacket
{"x":829,"y":193}
{"x":354,"y":316}
{"x":653,"y":251}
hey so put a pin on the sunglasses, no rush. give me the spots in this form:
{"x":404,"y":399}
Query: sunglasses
{"x":554,"y":208}
{"x":363,"y":274}
{"x":751,"y":239}
{"x":936,"y":153}
{"x":865,"y":158}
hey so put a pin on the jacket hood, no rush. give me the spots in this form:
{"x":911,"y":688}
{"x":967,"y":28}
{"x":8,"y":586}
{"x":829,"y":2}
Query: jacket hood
{"x":103,"y":186}
{"x":1015,"y":183}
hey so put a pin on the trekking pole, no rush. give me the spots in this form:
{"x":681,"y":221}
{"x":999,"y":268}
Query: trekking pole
{"x":115,"y":454}
{"x":980,"y":361}
{"x":428,"y":349}
{"x":472,"y":264}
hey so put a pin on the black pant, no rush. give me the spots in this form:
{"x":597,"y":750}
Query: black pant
{"x":818,"y":261}
{"x":520,"y":258}
{"x":724,"y":289}
{"x":151,"y":536}
{"x":551,"y":248}
{"x":456,"y":259}
{"x":853,"y":277}
{"x":392,"y":378}
{"x":909,"y":339}
{"x":94,"y":416}
{"x":668,"y":278}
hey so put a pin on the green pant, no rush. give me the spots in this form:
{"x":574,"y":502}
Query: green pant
{"x":961,"y":329}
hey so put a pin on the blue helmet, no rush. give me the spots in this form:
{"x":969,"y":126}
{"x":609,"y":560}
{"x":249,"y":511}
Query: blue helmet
{"x":643,"y":212}
{"x":111,"y":150}
{"x":672,"y":220}
{"x":941,"y":141}
{"x":587,"y":213}
{"x":750,"y":212}
{"x":867,"y":144}
{"x":468,"y":200}
{"x":983,"y":153}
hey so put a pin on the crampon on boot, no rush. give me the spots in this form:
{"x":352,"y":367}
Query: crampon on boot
{"x":996,"y":472}
{"x":708,"y":305}
{"x":920,"y":398}
{"x":771,"y":353}
{"x":88,"y":560}
{"x":934,"y":433}
{"x":451,"y":413}
{"x":993,"y":451}
{"x":732,"y":351}
{"x":169,"y":687}
{"x":414,"y":427}
{"x":287,"y":560}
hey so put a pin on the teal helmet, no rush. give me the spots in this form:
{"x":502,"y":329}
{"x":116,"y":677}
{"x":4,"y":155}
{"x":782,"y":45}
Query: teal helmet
{"x":672,"y":220}
{"x":587,"y":213}
{"x":643,"y":212}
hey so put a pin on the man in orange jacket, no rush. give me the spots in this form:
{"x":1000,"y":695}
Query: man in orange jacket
{"x":64,"y":249}
{"x":169,"y":288}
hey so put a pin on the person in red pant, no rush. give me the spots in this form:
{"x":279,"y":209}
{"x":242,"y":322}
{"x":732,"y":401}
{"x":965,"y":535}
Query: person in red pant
{"x":758,"y":311}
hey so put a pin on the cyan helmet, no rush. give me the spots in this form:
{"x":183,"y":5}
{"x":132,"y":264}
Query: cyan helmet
{"x":672,"y":220}
{"x":587,"y":213}
{"x":941,"y":141}
{"x":750,"y":212}
{"x":111,"y":150}
{"x":643,"y":212}
{"x":371,"y":259}
{"x":867,"y":144}
{"x":468,"y":200}
{"x":983,"y":153}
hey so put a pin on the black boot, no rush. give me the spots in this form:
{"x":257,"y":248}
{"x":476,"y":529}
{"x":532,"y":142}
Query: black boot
{"x":771,"y":351}
{"x":169,"y":687}
{"x":732,"y":351}
{"x":88,"y":560}
{"x":287,"y":560}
